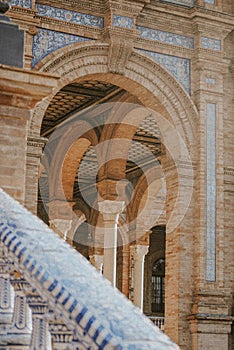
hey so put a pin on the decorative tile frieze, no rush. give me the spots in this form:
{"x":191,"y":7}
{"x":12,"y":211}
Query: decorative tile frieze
{"x":47,"y":41}
{"x":210,"y":43}
{"x":189,"y":3}
{"x":21,"y":3}
{"x":211,"y":192}
{"x":123,"y":21}
{"x":212,"y":2}
{"x":166,"y":37}
{"x":70,"y":16}
{"x":211,"y":81}
{"x":178,"y":67}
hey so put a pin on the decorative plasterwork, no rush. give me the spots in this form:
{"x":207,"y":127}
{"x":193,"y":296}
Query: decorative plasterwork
{"x":21,"y":3}
{"x":189,"y":3}
{"x":210,"y":43}
{"x":210,"y":192}
{"x":166,"y":37}
{"x":123,"y":21}
{"x":47,"y":41}
{"x":70,"y":16}
{"x":178,"y":67}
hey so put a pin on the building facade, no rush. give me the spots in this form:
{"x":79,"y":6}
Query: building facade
{"x":117,"y":131}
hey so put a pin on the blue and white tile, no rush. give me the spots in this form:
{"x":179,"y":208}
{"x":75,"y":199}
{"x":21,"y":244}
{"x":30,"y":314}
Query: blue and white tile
{"x":21,"y":3}
{"x":70,"y":16}
{"x":47,"y":41}
{"x":123,"y":21}
{"x":210,"y":43}
{"x":166,"y":37}
{"x":178,"y":67}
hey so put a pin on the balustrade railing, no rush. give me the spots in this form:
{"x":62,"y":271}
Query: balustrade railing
{"x":157,"y":321}
{"x":72,"y":305}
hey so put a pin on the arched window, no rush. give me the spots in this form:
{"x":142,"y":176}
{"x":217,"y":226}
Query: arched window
{"x":158,"y":286}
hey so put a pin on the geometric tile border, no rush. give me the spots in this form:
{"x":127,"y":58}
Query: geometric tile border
{"x":84,"y":300}
{"x":210,"y":43}
{"x":189,"y":3}
{"x":211,"y":192}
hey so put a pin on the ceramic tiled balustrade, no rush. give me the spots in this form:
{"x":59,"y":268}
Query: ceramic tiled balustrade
{"x":86,"y":305}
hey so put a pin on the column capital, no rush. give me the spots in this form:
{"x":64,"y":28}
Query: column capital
{"x":111,"y":209}
{"x":139,"y":251}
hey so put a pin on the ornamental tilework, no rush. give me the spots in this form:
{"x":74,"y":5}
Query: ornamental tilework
{"x":122,"y":21}
{"x":210,"y":192}
{"x":212,"y":2}
{"x":211,"y":81}
{"x":210,"y":43}
{"x":47,"y":41}
{"x":70,"y":16}
{"x":178,"y":67}
{"x":165,"y":37}
{"x":189,"y":3}
{"x":102,"y":316}
{"x":21,"y":3}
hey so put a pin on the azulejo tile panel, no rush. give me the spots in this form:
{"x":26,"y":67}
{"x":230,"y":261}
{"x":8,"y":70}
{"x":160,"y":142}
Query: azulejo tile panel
{"x":210,"y":192}
{"x":70,"y":16}
{"x":47,"y":41}
{"x":210,"y":43}
{"x":211,"y":81}
{"x":166,"y":37}
{"x":189,"y":3}
{"x":212,"y":2}
{"x":178,"y":67}
{"x":100,"y":314}
{"x":21,"y":3}
{"x":123,"y":21}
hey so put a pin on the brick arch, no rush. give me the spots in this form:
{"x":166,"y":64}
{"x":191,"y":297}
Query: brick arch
{"x":143,"y":78}
{"x":67,"y":156}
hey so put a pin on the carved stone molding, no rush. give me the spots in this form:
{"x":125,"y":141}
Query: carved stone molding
{"x":120,"y":49}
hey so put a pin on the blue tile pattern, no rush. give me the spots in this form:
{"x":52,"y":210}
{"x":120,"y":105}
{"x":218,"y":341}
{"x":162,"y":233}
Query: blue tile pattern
{"x":101,"y":315}
{"x":70,"y":16}
{"x":210,"y":43}
{"x":123,"y":21}
{"x":47,"y":41}
{"x":211,"y":81}
{"x":21,"y":3}
{"x":210,"y":192}
{"x":212,"y":2}
{"x":189,"y":3}
{"x":178,"y":67}
{"x":166,"y":37}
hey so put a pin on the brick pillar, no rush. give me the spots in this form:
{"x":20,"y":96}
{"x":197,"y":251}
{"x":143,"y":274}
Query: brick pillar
{"x":110,"y":211}
{"x":20,"y":90}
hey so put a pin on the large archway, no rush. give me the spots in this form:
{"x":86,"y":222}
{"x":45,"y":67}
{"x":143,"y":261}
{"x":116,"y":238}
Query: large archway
{"x":154,"y":88}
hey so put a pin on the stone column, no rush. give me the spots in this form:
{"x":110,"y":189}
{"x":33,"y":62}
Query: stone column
{"x":110,"y":211}
{"x":97,"y":261}
{"x":61,"y":226}
{"x":138,"y":252}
